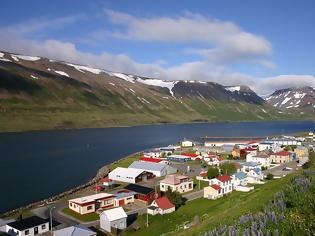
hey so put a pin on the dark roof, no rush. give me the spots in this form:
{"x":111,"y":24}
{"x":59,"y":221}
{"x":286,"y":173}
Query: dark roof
{"x":28,"y":223}
{"x":139,"y":189}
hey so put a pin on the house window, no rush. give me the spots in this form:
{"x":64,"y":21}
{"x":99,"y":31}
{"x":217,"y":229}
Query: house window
{"x":43,"y":226}
{"x":27,"y":232}
{"x":70,"y":204}
{"x":89,"y":208}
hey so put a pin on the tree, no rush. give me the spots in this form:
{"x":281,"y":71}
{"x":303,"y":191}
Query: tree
{"x":269,"y":176}
{"x":174,"y":197}
{"x":227,"y":168}
{"x":213,"y":172}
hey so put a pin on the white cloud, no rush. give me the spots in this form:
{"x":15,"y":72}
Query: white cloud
{"x":227,"y":42}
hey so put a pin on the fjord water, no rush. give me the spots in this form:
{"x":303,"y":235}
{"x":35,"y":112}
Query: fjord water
{"x":36,"y":165}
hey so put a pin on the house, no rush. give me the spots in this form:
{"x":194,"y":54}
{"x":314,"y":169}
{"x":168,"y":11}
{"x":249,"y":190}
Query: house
{"x":91,"y":203}
{"x":203,"y":175}
{"x":225,"y":182}
{"x":158,"y":169}
{"x":113,"y":220}
{"x":213,"y":160}
{"x":247,"y":166}
{"x":77,"y":230}
{"x":3,"y":224}
{"x":177,"y":182}
{"x":178,"y":158}
{"x":130,"y":175}
{"x":281,"y":157}
{"x":275,"y":147}
{"x":161,"y":206}
{"x":255,"y":176}
{"x":213,"y":191}
{"x":251,"y":151}
{"x":28,"y":226}
{"x":107,"y":182}
{"x":123,"y":197}
{"x":239,"y":153}
{"x":143,"y":194}
{"x":155,"y":153}
{"x":187,"y":143}
{"x":239,"y":178}
{"x":301,"y":151}
{"x":261,"y":158}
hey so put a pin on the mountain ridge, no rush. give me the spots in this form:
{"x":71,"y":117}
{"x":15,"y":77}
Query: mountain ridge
{"x":39,"y":93}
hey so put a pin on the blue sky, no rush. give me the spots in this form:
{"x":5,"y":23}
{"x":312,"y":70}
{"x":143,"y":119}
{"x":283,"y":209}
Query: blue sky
{"x":265,"y":44}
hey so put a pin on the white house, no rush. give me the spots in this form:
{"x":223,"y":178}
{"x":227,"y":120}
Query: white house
{"x":262,"y":158}
{"x":113,"y":219}
{"x":239,"y":178}
{"x":154,"y":153}
{"x":213,"y":160}
{"x":255,"y":176}
{"x":161,"y":206}
{"x":176,"y":182}
{"x":77,"y":230}
{"x":28,"y":227}
{"x":225,"y":182}
{"x":158,"y":169}
{"x":187,"y":143}
{"x":91,"y":203}
{"x":129,"y":175}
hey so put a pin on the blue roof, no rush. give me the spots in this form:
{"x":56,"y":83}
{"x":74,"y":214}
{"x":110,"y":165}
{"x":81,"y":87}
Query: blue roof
{"x":240,"y":175}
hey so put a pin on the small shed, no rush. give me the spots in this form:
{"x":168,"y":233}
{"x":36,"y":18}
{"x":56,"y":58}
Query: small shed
{"x":113,"y":219}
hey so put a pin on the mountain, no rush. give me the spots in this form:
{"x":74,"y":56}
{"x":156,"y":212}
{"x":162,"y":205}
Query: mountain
{"x":300,"y":99}
{"x":39,"y":93}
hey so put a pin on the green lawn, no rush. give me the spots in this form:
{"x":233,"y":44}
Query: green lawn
{"x":202,"y":184}
{"x":85,"y":218}
{"x":210,"y":212}
{"x":125,"y":162}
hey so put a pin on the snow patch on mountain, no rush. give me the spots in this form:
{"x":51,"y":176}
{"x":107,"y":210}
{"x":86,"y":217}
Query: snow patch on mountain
{"x":126,"y":77}
{"x":85,"y":68}
{"x":25,"y":58}
{"x":233,"y":89}
{"x":159,"y":83}
{"x":61,"y":73}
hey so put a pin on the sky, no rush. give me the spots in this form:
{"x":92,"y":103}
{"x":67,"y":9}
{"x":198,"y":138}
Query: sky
{"x":266,"y":45}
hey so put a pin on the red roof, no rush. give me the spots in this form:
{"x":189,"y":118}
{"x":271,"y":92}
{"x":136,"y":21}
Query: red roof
{"x":224,"y":178}
{"x":164,"y":203}
{"x":203,"y":174}
{"x":105,"y":180}
{"x":149,"y":159}
{"x":250,"y":149}
{"x":98,"y":188}
{"x":215,"y":186}
{"x":189,"y":155}
{"x":220,"y":158}
{"x":282,"y":153}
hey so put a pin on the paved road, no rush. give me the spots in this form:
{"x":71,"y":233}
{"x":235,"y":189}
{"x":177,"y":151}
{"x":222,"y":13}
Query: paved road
{"x":278,"y":170}
{"x":193,"y":195}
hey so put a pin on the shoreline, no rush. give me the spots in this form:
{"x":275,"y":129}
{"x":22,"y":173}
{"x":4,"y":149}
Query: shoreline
{"x":100,"y":173}
{"x":155,"y":124}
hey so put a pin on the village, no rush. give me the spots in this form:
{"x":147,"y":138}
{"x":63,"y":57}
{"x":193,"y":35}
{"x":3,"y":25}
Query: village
{"x":158,"y":182}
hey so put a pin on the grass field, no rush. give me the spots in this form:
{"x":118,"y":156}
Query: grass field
{"x":211,"y":213}
{"x":84,"y":218}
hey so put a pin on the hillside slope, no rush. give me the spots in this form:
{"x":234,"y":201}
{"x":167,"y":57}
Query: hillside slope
{"x":38,"y":93}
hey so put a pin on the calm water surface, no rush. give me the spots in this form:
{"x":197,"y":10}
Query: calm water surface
{"x":36,"y":165}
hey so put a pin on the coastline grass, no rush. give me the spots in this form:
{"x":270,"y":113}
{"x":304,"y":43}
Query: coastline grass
{"x":84,"y":218}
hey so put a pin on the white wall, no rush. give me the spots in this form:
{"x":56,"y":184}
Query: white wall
{"x":31,"y":230}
